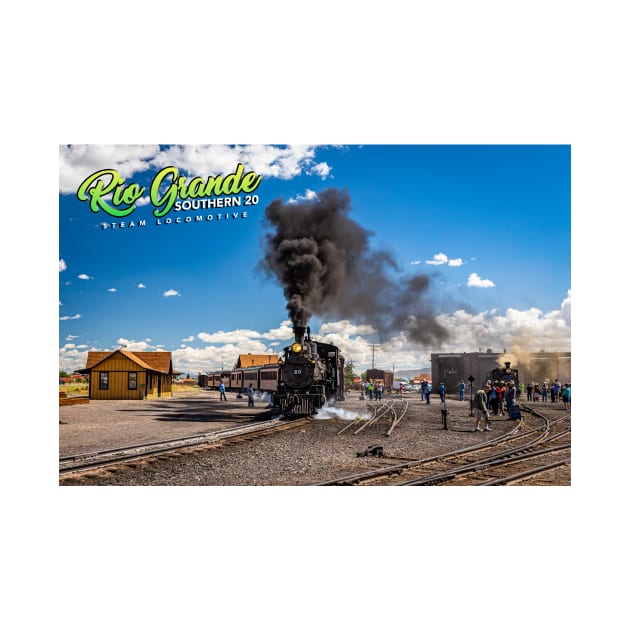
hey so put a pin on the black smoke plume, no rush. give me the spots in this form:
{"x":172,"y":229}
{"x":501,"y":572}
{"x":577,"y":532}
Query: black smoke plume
{"x":323,"y":262}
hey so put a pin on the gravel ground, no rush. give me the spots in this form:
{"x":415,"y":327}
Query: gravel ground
{"x":300,"y":456}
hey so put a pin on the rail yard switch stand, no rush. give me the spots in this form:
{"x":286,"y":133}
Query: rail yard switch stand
{"x":444,"y":413}
{"x":471,"y":380}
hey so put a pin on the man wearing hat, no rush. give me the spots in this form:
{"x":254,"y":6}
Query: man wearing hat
{"x":480,"y":405}
{"x":510,"y":397}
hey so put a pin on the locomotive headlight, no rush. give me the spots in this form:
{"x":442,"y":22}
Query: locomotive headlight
{"x":296,"y":347}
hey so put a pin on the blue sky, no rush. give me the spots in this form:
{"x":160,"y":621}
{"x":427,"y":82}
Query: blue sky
{"x":489,"y":224}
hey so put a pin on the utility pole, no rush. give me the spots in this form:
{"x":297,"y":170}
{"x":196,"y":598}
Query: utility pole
{"x":374,"y":346}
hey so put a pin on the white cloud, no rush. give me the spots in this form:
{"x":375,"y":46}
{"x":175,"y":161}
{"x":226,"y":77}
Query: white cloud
{"x":438,"y":259}
{"x":233,"y":336}
{"x":415,"y":262}
{"x":307,"y":196}
{"x":170,"y":293}
{"x":474,"y":280}
{"x":62,"y":265}
{"x":529,"y":329}
{"x":142,"y":286}
{"x":268,"y":161}
{"x":72,"y":358}
{"x":138,"y":346}
{"x":322,"y":169}
{"x":442,"y":259}
{"x":66,"y":317}
{"x":84,"y":276}
{"x":284,"y":331}
{"x":78,"y":161}
{"x":112,"y":290}
{"x":346,"y":328}
{"x":565,"y":310}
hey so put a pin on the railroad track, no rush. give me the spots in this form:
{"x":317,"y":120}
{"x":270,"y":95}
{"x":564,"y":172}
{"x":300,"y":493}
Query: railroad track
{"x":387,"y":411}
{"x":534,"y":447}
{"x":110,"y":459}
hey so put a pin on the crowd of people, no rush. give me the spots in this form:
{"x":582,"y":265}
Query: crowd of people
{"x":555,"y":391}
{"x":374,"y":390}
{"x":498,"y":396}
{"x":501,"y":397}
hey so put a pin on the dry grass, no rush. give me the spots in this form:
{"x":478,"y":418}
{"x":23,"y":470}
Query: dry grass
{"x":184,"y":388}
{"x":74,"y":389}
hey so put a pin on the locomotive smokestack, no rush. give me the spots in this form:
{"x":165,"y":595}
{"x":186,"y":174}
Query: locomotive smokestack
{"x":299,"y":331}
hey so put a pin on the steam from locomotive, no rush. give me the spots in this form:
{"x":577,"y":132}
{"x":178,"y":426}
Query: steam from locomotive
{"x":324,"y":264}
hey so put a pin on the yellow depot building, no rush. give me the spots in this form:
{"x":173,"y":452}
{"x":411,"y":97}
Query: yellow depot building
{"x":125,"y":375}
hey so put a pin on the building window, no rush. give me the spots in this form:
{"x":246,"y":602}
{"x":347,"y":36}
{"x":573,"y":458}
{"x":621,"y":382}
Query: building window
{"x":103,"y":382}
{"x":132,"y":380}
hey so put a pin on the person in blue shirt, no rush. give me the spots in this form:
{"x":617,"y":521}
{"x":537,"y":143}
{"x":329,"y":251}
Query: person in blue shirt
{"x":442,"y":391}
{"x":222,"y":395}
{"x":462,"y":389}
{"x":565,"y":392}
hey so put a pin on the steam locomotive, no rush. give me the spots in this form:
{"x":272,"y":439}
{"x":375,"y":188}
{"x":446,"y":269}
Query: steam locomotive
{"x":311,"y":373}
{"x":504,"y":374}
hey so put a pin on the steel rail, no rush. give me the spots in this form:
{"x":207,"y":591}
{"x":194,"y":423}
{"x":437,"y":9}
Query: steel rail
{"x":540,"y":434}
{"x":198,"y":437}
{"x":379,"y":413}
{"x":448,"y":475}
{"x":353,"y":422}
{"x":102,"y":459}
{"x":398,"y":418}
{"x":414,"y":463}
{"x":533,"y":472}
